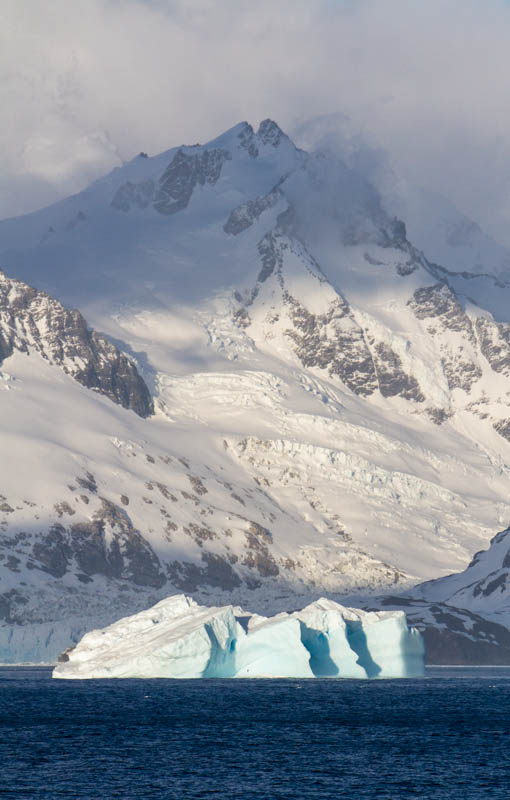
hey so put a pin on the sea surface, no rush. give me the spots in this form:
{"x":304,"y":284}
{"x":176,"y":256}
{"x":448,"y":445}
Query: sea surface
{"x":446,"y":736}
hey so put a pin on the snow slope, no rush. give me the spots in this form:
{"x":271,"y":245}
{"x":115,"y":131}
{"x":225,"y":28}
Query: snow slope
{"x":481,"y":587}
{"x":330,"y":407}
{"x":448,"y":237}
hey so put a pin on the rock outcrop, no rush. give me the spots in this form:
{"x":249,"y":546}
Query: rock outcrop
{"x":246,"y":214}
{"x":32,"y":321}
{"x":131,"y":194}
{"x":184,"y":172}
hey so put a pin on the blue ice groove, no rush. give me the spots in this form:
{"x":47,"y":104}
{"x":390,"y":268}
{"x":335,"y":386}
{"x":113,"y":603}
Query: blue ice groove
{"x":288,"y":647}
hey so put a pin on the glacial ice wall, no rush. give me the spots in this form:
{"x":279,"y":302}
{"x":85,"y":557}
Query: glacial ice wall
{"x":177,"y":638}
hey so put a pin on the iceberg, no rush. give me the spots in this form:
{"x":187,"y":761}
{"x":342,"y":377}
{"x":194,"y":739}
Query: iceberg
{"x":271,"y":648}
{"x":178,"y":638}
{"x":351,"y":643}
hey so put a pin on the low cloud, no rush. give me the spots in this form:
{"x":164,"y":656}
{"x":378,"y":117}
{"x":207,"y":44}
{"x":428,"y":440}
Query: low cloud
{"x":87,"y":84}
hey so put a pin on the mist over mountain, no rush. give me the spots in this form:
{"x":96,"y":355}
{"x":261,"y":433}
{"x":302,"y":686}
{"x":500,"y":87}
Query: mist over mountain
{"x":277,"y":393}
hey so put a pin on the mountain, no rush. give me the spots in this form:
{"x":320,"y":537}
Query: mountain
{"x":287,"y":397}
{"x":464,"y":617}
{"x":481,"y":587}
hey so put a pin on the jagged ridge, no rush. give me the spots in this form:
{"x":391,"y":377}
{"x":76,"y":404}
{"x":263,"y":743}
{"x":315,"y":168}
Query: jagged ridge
{"x":31,"y":320}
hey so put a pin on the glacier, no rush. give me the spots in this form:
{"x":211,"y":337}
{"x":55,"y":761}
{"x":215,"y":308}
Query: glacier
{"x":325,"y":408}
{"x":178,"y":638}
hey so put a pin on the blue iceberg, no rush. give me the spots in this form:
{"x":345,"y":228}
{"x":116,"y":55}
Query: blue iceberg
{"x":177,"y":638}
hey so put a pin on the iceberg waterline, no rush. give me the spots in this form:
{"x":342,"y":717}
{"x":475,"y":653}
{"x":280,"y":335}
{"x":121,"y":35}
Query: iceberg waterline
{"x":178,"y":638}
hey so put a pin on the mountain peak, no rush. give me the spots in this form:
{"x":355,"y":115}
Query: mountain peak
{"x":270,"y":133}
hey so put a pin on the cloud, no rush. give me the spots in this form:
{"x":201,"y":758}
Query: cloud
{"x":86,"y":84}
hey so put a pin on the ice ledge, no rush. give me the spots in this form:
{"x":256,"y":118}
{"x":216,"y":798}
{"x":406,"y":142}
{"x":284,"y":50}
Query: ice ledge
{"x":177,"y":638}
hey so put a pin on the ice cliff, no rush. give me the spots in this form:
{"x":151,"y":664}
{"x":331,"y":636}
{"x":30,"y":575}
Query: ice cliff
{"x":177,"y":638}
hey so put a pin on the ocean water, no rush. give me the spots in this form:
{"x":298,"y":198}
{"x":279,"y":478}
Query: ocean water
{"x":446,"y":736}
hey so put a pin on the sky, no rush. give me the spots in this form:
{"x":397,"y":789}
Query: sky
{"x":86,"y":84}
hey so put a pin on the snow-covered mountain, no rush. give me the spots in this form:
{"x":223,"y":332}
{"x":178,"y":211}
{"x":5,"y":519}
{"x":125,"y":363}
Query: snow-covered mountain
{"x":447,"y":236}
{"x":330,"y":408}
{"x":482,"y":587}
{"x":463,"y":617}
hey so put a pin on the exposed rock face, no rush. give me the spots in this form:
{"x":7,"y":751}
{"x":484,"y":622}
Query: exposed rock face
{"x":184,"y":172}
{"x":110,"y":546}
{"x":131,"y":194}
{"x":333,"y":341}
{"x":52,"y":552}
{"x":393,"y":233}
{"x":391,"y":376}
{"x":247,"y":137}
{"x":258,"y":554}
{"x":461,"y":375}
{"x":494,"y":340}
{"x":336,"y":342}
{"x":246,"y":214}
{"x":439,"y":304}
{"x":31,"y":320}
{"x":270,"y":133}
{"x":216,"y":572}
{"x":11,"y":606}
{"x":407,"y":267}
{"x":107,"y":545}
{"x":270,"y":250}
{"x":502,"y":426}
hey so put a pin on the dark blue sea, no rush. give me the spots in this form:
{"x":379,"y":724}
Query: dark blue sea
{"x":446,"y":736}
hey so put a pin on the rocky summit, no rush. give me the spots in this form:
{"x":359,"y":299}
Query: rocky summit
{"x":321,"y":405}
